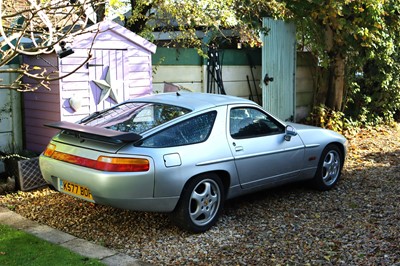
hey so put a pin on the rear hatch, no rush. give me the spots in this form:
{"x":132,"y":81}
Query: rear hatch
{"x":111,"y":129}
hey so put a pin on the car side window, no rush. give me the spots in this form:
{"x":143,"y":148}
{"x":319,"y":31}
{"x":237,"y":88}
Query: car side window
{"x":191,"y":131}
{"x":251,"y":122}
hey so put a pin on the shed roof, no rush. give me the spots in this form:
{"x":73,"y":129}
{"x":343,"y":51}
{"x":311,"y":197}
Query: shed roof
{"x":108,"y":29}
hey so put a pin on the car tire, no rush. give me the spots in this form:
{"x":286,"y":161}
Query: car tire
{"x":329,"y":168}
{"x":200,"y":204}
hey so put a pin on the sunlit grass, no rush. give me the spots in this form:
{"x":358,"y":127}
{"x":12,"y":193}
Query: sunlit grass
{"x":20,"y":248}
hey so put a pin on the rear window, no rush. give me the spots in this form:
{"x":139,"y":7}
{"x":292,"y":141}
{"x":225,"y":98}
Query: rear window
{"x":135,"y":117}
{"x":191,"y":131}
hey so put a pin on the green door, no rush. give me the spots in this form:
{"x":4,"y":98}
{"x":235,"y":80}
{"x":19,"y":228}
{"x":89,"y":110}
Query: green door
{"x":278,"y":69}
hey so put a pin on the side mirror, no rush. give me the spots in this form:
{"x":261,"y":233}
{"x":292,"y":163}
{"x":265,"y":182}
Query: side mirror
{"x":290,"y":132}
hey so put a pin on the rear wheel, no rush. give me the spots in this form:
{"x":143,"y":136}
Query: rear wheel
{"x":200,"y":203}
{"x":329,"y":168}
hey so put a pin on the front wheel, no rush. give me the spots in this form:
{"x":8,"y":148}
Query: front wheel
{"x":329,"y":168}
{"x":200,"y":203}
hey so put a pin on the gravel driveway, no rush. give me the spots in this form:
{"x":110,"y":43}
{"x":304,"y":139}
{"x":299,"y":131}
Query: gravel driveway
{"x":357,"y":223}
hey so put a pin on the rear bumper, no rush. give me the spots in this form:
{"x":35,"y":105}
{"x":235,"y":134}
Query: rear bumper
{"x":133,"y":191}
{"x":144,"y":204}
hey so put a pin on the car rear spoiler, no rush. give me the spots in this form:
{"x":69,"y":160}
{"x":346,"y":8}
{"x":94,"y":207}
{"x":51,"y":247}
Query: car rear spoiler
{"x":83,"y":130}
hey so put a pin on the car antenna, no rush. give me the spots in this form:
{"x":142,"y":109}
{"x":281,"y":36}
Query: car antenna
{"x":177,"y":94}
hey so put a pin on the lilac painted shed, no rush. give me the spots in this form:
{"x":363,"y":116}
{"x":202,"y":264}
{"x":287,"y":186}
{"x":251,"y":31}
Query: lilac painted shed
{"x":120,"y":68}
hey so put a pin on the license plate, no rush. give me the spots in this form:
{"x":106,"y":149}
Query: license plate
{"x":75,"y":189}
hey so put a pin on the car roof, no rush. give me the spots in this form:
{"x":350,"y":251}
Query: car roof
{"x":193,"y":100}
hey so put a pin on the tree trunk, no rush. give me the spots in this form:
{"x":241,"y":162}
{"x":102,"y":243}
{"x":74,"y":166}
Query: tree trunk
{"x":140,"y":22}
{"x":336,"y":69}
{"x":100,"y":12}
{"x":321,"y":84}
{"x":336,"y":84}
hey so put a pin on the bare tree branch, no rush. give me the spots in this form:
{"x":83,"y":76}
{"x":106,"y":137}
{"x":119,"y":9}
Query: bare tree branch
{"x":36,"y":28}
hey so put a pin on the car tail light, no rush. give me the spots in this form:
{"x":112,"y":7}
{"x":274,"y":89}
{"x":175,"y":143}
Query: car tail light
{"x":117,"y":164}
{"x":103,"y":163}
{"x":49,"y":150}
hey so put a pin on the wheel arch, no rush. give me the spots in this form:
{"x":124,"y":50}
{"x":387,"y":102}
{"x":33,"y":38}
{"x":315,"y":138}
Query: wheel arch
{"x":342,"y":150}
{"x":222,"y":174}
{"x":327,"y":174}
{"x":200,"y":221}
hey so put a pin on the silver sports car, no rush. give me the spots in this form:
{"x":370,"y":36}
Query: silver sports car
{"x":186,"y":153}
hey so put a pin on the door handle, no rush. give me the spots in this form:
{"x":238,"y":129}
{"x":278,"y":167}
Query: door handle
{"x":91,"y":65}
{"x":238,"y":148}
{"x":267,"y":79}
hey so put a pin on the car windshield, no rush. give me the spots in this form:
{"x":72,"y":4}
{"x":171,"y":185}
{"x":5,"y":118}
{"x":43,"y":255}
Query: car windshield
{"x":135,"y":117}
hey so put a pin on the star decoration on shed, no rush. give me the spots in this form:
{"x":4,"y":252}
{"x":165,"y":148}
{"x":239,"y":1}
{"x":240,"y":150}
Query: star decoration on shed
{"x":106,"y":87}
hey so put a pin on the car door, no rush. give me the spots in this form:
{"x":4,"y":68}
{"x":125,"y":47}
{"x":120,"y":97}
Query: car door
{"x":261,"y":153}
